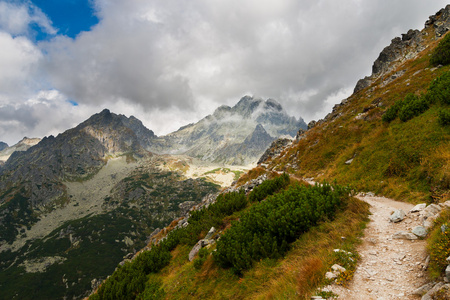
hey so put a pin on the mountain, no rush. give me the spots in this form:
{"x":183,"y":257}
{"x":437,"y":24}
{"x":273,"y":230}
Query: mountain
{"x":219,"y":136}
{"x":22,"y":145}
{"x":72,"y":206}
{"x":391,"y":137}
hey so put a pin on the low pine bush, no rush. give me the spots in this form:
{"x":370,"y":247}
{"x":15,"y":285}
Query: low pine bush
{"x":392,"y":112}
{"x":412,"y":106}
{"x":269,"y":187}
{"x":444,"y":117}
{"x":441,"y":54}
{"x":268,"y":228}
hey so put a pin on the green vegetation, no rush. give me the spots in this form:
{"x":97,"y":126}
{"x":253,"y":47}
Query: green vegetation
{"x":269,"y":187}
{"x":290,"y":212}
{"x":439,"y":245}
{"x":268,"y":228}
{"x":441,"y":54}
{"x":444,"y":117}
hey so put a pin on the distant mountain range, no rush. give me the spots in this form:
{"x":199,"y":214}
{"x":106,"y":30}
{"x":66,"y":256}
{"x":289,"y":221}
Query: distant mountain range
{"x":232,"y":135}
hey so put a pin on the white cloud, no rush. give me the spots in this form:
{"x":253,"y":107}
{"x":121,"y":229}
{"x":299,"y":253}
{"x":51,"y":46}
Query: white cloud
{"x":171,"y":62}
{"x":18,"y":67}
{"x":16,"y":18}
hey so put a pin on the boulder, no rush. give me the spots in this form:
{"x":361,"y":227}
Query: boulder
{"x":418,"y":207}
{"x":337,"y":268}
{"x":431,"y":210}
{"x":210,"y":233}
{"x":404,"y":235}
{"x":330,"y":275}
{"x":429,"y":222}
{"x":423,"y":289}
{"x":397,"y":216}
{"x":420,"y":231}
{"x":429,"y":295}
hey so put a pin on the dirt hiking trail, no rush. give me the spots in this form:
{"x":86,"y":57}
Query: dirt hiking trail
{"x":389,"y":268}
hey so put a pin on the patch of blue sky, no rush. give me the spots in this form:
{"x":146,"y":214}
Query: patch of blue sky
{"x":69,"y":17}
{"x":73,"y":102}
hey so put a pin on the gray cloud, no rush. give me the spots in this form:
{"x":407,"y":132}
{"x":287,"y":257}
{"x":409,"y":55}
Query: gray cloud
{"x":172,"y":62}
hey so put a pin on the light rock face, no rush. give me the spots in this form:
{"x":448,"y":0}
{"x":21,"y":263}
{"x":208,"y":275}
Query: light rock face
{"x":232,"y":135}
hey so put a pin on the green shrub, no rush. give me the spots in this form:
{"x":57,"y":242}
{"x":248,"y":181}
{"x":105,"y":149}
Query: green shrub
{"x":439,"y":245}
{"x":444,"y":117}
{"x":268,"y":228}
{"x":441,"y":54}
{"x":268,"y":187}
{"x":392,"y":112}
{"x":439,"y":90}
{"x":412,"y":106}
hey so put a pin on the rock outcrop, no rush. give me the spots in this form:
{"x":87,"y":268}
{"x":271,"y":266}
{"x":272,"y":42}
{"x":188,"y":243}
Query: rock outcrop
{"x":404,"y":48}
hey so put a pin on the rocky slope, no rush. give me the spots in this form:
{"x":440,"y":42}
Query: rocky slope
{"x":232,"y":135}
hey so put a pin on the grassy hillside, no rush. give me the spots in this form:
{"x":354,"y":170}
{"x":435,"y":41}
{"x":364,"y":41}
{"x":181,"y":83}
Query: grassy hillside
{"x":404,"y":159}
{"x":291,"y":265}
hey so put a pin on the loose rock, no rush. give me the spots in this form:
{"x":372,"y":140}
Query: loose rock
{"x":397,"y":216}
{"x":420,"y":231}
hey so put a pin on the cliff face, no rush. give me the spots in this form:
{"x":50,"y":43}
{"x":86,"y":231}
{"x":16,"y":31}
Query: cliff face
{"x":228,"y":132}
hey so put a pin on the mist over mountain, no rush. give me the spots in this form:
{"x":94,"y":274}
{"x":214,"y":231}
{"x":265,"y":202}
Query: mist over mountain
{"x":232,"y":135}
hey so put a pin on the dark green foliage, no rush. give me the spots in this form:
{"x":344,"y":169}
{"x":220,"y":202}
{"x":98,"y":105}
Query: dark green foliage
{"x":439,"y":90}
{"x":441,"y":54}
{"x":129,"y":280}
{"x":392,"y":112}
{"x":13,"y":214}
{"x":444,"y":117}
{"x":202,"y":256}
{"x":269,"y":187}
{"x":268,"y":228}
{"x":412,"y":106}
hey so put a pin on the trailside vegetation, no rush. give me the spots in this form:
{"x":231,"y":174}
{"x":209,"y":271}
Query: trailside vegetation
{"x":441,"y":54}
{"x":267,"y":229}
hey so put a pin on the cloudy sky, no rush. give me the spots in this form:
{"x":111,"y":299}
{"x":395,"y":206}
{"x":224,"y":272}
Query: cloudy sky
{"x":172,"y":62}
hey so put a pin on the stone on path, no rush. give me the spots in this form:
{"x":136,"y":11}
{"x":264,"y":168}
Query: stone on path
{"x":420,"y":231}
{"x":418,"y":207}
{"x":404,"y":235}
{"x":397,"y":216}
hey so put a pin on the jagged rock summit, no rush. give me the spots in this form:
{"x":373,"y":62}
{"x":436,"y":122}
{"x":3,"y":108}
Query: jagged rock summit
{"x":233,"y":135}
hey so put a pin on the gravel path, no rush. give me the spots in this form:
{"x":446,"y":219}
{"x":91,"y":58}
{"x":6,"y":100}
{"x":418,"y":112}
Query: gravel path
{"x":389,"y":268}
